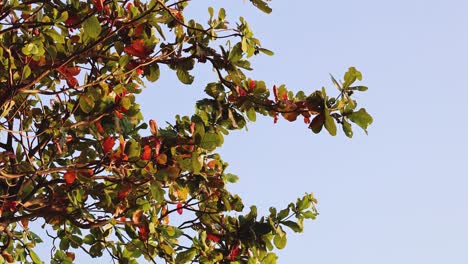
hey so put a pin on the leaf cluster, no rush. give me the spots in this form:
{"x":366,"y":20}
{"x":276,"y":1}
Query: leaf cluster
{"x":76,"y":153}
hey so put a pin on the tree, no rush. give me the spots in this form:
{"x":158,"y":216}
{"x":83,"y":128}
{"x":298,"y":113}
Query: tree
{"x":76,"y":154}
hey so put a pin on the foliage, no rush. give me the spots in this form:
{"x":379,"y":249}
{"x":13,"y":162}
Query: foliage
{"x":73,"y":150}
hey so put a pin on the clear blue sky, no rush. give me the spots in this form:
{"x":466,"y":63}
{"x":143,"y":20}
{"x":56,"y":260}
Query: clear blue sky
{"x":398,"y":195}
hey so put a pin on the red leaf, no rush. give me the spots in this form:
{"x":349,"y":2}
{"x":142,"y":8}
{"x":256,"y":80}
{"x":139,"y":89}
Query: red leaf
{"x":88,"y":173}
{"x":71,"y":81}
{"x":75,"y":70}
{"x":69,"y":177}
{"x":25,"y":223}
{"x":290,"y":116}
{"x":157,"y":146}
{"x":70,"y":255}
{"x":143,"y":232}
{"x":153,"y":127}
{"x":122,"y":194}
{"x":137,"y":217}
{"x":177,"y":14}
{"x":108,"y":144}
{"x":180,"y":209}
{"x":72,"y":21}
{"x":10,"y":206}
{"x":211,"y":164}
{"x":137,"y":48}
{"x":99,"y":127}
{"x":139,"y":29}
{"x":118,"y":114}
{"x":139,"y":45}
{"x":74,"y":39}
{"x":241,"y":91}
{"x":275,"y":93}
{"x":146,"y":153}
{"x":234,"y":253}
{"x":192,"y":128}
{"x":306,"y":120}
{"x":252,"y":85}
{"x":68,"y":73}
{"x":232,"y":98}
{"x":213,"y":238}
{"x":8,"y":257}
{"x":98,"y":4}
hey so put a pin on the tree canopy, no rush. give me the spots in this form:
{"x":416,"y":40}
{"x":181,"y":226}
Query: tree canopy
{"x":77,"y":155}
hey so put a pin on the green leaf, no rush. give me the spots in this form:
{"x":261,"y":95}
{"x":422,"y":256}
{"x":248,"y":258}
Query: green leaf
{"x":222,"y":13}
{"x":185,"y":256}
{"x":124,"y":60}
{"x":262,"y":6}
{"x":209,"y":141}
{"x":283,"y":213}
{"x":251,"y":114}
{"x":157,"y":192}
{"x":133,"y":150}
{"x":347,"y":128}
{"x":236,"y":53}
{"x":86,"y":103}
{"x":330,"y":124}
{"x":154,"y":72}
{"x":26,"y":72}
{"x":252,"y":260}
{"x":280,"y":240}
{"x":303,"y":203}
{"x":361,"y":118}
{"x":244,"y":45}
{"x":125,"y":102}
{"x":184,"y":76}
{"x":6,"y":109}
{"x":293,"y":225}
{"x":96,"y":250}
{"x":211,"y":11}
{"x":63,"y":16}
{"x":270,"y":258}
{"x":75,"y":241}
{"x":350,"y":77}
{"x":130,"y":231}
{"x":92,"y":27}
{"x":89,"y":239}
{"x":59,"y":38}
{"x":309,"y":215}
{"x":30,"y":49}
{"x":199,"y":133}
{"x":64,"y":244}
{"x":267,"y":52}
{"x":35,"y":237}
{"x":215,"y":90}
{"x":229,"y":177}
{"x":197,"y":162}
{"x":359,"y":88}
{"x":172,"y":231}
{"x":317,"y":123}
{"x":335,"y":82}
{"x":34,"y":257}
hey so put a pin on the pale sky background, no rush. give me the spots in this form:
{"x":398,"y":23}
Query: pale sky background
{"x":398,"y":195}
